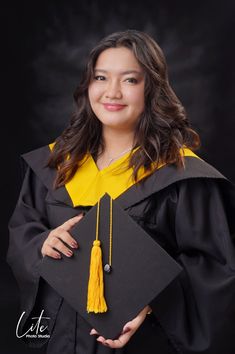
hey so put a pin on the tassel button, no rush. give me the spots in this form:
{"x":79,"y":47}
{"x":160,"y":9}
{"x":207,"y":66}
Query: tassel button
{"x":107,"y":268}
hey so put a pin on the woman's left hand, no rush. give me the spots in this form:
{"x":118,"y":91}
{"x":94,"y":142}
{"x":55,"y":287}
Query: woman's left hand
{"x":128,"y":330}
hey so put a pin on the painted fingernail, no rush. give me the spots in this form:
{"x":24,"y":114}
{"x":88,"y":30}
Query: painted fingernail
{"x":74,"y":244}
{"x":69,"y":253}
{"x":58,"y":256}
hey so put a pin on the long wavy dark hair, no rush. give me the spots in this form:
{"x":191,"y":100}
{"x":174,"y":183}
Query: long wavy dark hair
{"x":162,"y":129}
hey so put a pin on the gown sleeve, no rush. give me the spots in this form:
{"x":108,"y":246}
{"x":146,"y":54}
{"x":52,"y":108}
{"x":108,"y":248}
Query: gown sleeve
{"x":28,"y":230}
{"x":197,"y":311}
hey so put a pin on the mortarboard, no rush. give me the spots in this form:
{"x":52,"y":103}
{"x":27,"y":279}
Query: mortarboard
{"x":135,"y":268}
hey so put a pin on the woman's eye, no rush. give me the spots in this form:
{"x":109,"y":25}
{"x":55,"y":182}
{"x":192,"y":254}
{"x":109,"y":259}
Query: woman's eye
{"x":99,"y":78}
{"x":132,"y":80}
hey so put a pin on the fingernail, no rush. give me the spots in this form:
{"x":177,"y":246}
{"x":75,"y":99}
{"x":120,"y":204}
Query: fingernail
{"x":69,"y":253}
{"x":58,"y":256}
{"x":74,"y":244}
{"x":126,"y":330}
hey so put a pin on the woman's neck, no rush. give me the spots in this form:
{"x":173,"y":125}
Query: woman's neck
{"x":117,"y":142}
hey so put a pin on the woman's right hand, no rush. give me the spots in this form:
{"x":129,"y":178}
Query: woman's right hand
{"x":59,"y":238}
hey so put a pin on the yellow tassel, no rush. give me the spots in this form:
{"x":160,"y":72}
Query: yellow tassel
{"x":95,"y":297}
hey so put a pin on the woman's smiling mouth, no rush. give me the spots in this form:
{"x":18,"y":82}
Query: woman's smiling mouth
{"x":113,"y":106}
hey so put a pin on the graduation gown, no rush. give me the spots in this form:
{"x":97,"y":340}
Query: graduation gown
{"x":189,"y":212}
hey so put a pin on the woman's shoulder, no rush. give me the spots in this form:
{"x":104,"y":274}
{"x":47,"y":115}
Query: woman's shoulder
{"x":200,"y":178}
{"x":37,"y":155}
{"x":199,"y":174}
{"x":195,"y":170}
{"x":36,"y":161}
{"x":194,"y":166}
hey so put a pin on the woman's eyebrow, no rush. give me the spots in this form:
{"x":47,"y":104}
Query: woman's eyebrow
{"x":122,"y":72}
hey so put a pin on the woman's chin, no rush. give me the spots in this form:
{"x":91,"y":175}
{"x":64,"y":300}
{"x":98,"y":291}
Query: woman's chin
{"x":117,"y":127}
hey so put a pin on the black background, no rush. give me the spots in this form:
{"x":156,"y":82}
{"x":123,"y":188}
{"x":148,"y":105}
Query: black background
{"x":44,"y":47}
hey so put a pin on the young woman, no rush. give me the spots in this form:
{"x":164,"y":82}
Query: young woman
{"x":128,"y":119}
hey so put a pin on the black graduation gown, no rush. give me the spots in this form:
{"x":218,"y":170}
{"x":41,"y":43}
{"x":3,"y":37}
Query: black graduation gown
{"x":190,"y":213}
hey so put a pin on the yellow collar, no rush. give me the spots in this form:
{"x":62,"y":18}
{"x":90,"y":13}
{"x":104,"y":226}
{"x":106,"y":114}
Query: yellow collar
{"x":89,"y":183}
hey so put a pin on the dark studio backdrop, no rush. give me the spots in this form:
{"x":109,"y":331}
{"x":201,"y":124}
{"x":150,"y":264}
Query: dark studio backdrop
{"x":46,"y":48}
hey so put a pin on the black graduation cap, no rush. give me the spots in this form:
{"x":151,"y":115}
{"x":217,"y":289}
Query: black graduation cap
{"x":140,"y":268}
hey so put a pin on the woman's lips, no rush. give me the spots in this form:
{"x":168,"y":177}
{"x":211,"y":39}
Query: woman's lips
{"x":113,"y":107}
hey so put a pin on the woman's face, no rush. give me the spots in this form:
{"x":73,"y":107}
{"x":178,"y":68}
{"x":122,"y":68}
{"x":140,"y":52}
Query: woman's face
{"x":116,"y":92}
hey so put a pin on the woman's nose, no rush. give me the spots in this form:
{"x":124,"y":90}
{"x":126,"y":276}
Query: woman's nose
{"x":113,"y":90}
